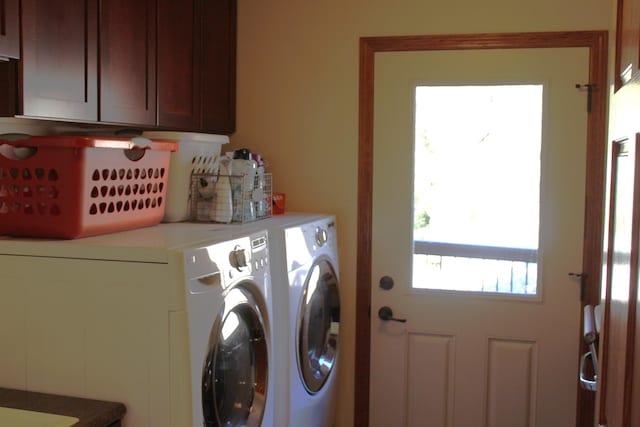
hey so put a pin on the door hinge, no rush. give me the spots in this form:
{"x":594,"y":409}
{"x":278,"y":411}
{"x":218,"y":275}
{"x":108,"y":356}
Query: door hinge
{"x":589,"y":88}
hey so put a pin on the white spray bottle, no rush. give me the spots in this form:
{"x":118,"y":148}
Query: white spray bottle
{"x":222,"y":206}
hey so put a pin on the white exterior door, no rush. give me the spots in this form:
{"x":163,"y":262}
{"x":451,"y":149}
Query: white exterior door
{"x":470,"y":359}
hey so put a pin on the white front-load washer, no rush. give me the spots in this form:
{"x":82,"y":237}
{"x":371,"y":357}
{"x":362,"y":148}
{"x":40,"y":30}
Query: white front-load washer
{"x":314,"y":315}
{"x":228,"y":300}
{"x":173,"y":321}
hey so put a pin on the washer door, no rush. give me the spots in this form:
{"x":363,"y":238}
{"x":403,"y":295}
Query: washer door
{"x":234,"y":381}
{"x":319,"y":325}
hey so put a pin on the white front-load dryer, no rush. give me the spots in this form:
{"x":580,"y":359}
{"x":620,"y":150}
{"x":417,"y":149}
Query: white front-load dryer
{"x":281,"y":324}
{"x":314,"y":314}
{"x":231,"y":341}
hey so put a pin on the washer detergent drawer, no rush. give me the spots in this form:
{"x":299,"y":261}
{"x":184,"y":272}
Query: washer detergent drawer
{"x":298,"y":251}
{"x":203,"y":274}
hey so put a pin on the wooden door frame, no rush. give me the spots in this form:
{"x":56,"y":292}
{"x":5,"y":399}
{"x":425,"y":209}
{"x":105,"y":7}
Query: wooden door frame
{"x":596,"y":42}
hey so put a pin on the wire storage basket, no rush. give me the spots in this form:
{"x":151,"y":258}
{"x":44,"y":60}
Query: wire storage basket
{"x":198,"y":153}
{"x":229,"y":199}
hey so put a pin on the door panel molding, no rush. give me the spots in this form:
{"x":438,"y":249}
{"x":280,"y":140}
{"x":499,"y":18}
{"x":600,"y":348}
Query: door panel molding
{"x":508,"y":401}
{"x":437,"y":375}
{"x":596,"y":42}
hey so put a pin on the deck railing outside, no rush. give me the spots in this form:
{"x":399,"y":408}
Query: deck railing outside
{"x":459,"y":267}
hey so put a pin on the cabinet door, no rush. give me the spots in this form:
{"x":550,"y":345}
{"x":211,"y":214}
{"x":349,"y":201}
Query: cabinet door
{"x":178,"y":64}
{"x":9,"y":31}
{"x":627,"y":42}
{"x":128,"y":61}
{"x":218,"y":70}
{"x":8,"y":88}
{"x":59,"y":59}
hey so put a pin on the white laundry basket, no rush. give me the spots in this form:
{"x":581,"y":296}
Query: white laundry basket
{"x":197,"y":153}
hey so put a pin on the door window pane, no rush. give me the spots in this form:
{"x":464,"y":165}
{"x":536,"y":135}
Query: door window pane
{"x":477,"y":187}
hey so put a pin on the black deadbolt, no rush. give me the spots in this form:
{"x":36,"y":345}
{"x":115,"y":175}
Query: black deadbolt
{"x":386,"y":282}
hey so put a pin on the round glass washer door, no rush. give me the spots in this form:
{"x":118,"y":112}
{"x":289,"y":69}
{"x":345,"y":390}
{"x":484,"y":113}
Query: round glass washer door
{"x":235,"y":375}
{"x":319,"y":324}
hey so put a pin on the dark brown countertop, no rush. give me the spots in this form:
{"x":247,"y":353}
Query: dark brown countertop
{"x":91,"y":413}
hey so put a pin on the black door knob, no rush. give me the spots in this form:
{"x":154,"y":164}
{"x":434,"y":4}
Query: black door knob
{"x":385,"y":313}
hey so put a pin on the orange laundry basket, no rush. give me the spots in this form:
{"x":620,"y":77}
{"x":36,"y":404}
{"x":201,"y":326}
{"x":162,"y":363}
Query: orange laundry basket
{"x":71,"y":186}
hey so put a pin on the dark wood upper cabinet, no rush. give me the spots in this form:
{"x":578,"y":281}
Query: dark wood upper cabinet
{"x":218,"y":71}
{"x":197,"y":65}
{"x":627,"y":55}
{"x":9,"y":29}
{"x":128,"y":61}
{"x":178,"y":64}
{"x":149,"y":63}
{"x":59,"y":59}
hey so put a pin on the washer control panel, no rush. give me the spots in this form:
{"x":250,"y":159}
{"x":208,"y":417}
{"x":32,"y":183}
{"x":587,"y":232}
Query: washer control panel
{"x":260,"y":253}
{"x":238,"y":258}
{"x":249,"y":254}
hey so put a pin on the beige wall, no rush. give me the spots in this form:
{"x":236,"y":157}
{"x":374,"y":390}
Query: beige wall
{"x":298,"y":98}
